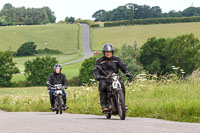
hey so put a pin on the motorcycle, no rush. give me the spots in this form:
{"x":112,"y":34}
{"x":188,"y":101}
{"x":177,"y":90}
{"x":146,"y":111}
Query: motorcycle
{"x":58,"y":98}
{"x":115,"y":96}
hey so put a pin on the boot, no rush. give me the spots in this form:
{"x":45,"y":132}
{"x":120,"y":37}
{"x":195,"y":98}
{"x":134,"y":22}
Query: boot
{"x":64,"y":106}
{"x":52,"y":104}
{"x":104,"y":104}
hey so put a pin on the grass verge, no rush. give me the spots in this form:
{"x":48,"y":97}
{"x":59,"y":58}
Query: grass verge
{"x":176,"y":101}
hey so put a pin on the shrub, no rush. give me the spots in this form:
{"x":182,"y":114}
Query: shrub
{"x":75,"y":81}
{"x":7,"y":69}
{"x":26,"y":49}
{"x":48,"y":51}
{"x":153,"y":21}
{"x":38,"y":70}
{"x":87,"y":68}
{"x":130,"y":56}
{"x":159,"y":55}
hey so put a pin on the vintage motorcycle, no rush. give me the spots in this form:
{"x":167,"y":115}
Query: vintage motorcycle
{"x":116,"y":101}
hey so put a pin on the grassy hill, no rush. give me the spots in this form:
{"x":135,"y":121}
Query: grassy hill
{"x":63,"y":37}
{"x":139,"y":33}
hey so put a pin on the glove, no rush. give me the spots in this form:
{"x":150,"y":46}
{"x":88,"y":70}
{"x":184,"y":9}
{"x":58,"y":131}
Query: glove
{"x":48,"y":88}
{"x":65,"y":87}
{"x":97,"y":77}
{"x":128,"y":74}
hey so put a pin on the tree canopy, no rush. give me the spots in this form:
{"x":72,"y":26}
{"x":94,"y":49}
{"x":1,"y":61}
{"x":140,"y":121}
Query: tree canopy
{"x":133,"y":11}
{"x":10,"y":15}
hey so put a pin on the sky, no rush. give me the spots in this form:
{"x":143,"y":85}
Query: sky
{"x":84,"y":9}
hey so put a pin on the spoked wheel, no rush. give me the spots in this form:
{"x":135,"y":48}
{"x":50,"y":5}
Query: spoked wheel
{"x":121,"y":105}
{"x":56,"y":105}
{"x":59,"y":104}
{"x":108,"y":116}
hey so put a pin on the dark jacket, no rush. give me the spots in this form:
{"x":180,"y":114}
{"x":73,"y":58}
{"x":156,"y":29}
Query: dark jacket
{"x":57,"y":79}
{"x":109,"y":65}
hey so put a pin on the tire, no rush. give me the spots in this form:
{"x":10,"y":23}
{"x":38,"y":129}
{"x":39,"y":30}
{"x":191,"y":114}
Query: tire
{"x":60,"y":103}
{"x":56,"y":105}
{"x":108,"y":116}
{"x":121,"y":105}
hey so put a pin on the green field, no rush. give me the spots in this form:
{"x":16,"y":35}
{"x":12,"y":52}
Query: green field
{"x":177,"y":101}
{"x":62,"y":37}
{"x":71,"y":70}
{"x":139,"y":33}
{"x":60,"y":58}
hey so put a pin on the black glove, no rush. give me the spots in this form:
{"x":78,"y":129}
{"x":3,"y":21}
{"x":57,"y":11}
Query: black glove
{"x":97,"y":77}
{"x":128,"y":74}
{"x":65,"y":87}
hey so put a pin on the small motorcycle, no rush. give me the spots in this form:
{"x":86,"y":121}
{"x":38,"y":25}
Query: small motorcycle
{"x":116,"y":101}
{"x":58,"y":97}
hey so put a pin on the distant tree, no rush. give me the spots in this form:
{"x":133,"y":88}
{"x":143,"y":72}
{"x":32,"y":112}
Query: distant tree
{"x":26,"y":16}
{"x":7,"y":69}
{"x":69,"y":19}
{"x":98,"y":15}
{"x":38,"y":70}
{"x":26,"y":49}
{"x":191,"y":11}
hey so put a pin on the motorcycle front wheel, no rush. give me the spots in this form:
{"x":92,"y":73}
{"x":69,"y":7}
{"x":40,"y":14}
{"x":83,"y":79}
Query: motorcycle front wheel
{"x":121,"y":105}
{"x":60,"y":103}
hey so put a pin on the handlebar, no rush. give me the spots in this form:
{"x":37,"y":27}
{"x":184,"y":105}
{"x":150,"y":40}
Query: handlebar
{"x":107,"y":77}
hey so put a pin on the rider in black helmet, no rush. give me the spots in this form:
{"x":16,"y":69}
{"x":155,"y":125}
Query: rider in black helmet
{"x":108,"y":63}
{"x":57,"y":78}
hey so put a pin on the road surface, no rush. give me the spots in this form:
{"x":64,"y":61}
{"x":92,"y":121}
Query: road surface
{"x":49,"y":122}
{"x":85,"y":44}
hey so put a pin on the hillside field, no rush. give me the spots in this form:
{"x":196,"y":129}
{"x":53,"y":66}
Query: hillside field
{"x":62,"y":37}
{"x":139,"y":33}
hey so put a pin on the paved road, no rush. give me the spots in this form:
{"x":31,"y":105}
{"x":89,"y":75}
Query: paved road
{"x":49,"y":122}
{"x":85,"y":44}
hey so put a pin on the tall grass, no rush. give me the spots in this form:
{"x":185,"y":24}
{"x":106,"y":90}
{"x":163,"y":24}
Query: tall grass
{"x":171,"y":100}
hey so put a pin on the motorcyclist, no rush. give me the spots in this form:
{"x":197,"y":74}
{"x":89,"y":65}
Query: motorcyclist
{"x":108,"y":63}
{"x":57,"y":78}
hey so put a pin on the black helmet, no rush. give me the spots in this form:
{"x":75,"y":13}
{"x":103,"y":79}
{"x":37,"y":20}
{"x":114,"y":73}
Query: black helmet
{"x":108,"y":48}
{"x":57,"y":66}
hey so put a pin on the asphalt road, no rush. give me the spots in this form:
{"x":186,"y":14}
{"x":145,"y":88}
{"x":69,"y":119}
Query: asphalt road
{"x":85,"y":44}
{"x":49,"y":122}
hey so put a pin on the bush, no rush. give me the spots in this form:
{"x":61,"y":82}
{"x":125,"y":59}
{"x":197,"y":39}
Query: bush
{"x":7,"y":69}
{"x":159,"y":55}
{"x":87,"y":68}
{"x":130,"y":56}
{"x":94,"y":25}
{"x":48,"y":51}
{"x":26,"y":49}
{"x":38,"y":70}
{"x":75,"y":81}
{"x":153,"y":21}
{"x":89,"y":22}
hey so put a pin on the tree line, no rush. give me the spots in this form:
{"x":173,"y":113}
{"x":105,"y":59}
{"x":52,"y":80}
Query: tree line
{"x":132,"y":11}
{"x":10,"y":15}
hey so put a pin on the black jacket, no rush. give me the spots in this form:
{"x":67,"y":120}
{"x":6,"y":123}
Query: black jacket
{"x":57,"y":79}
{"x":109,"y":65}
